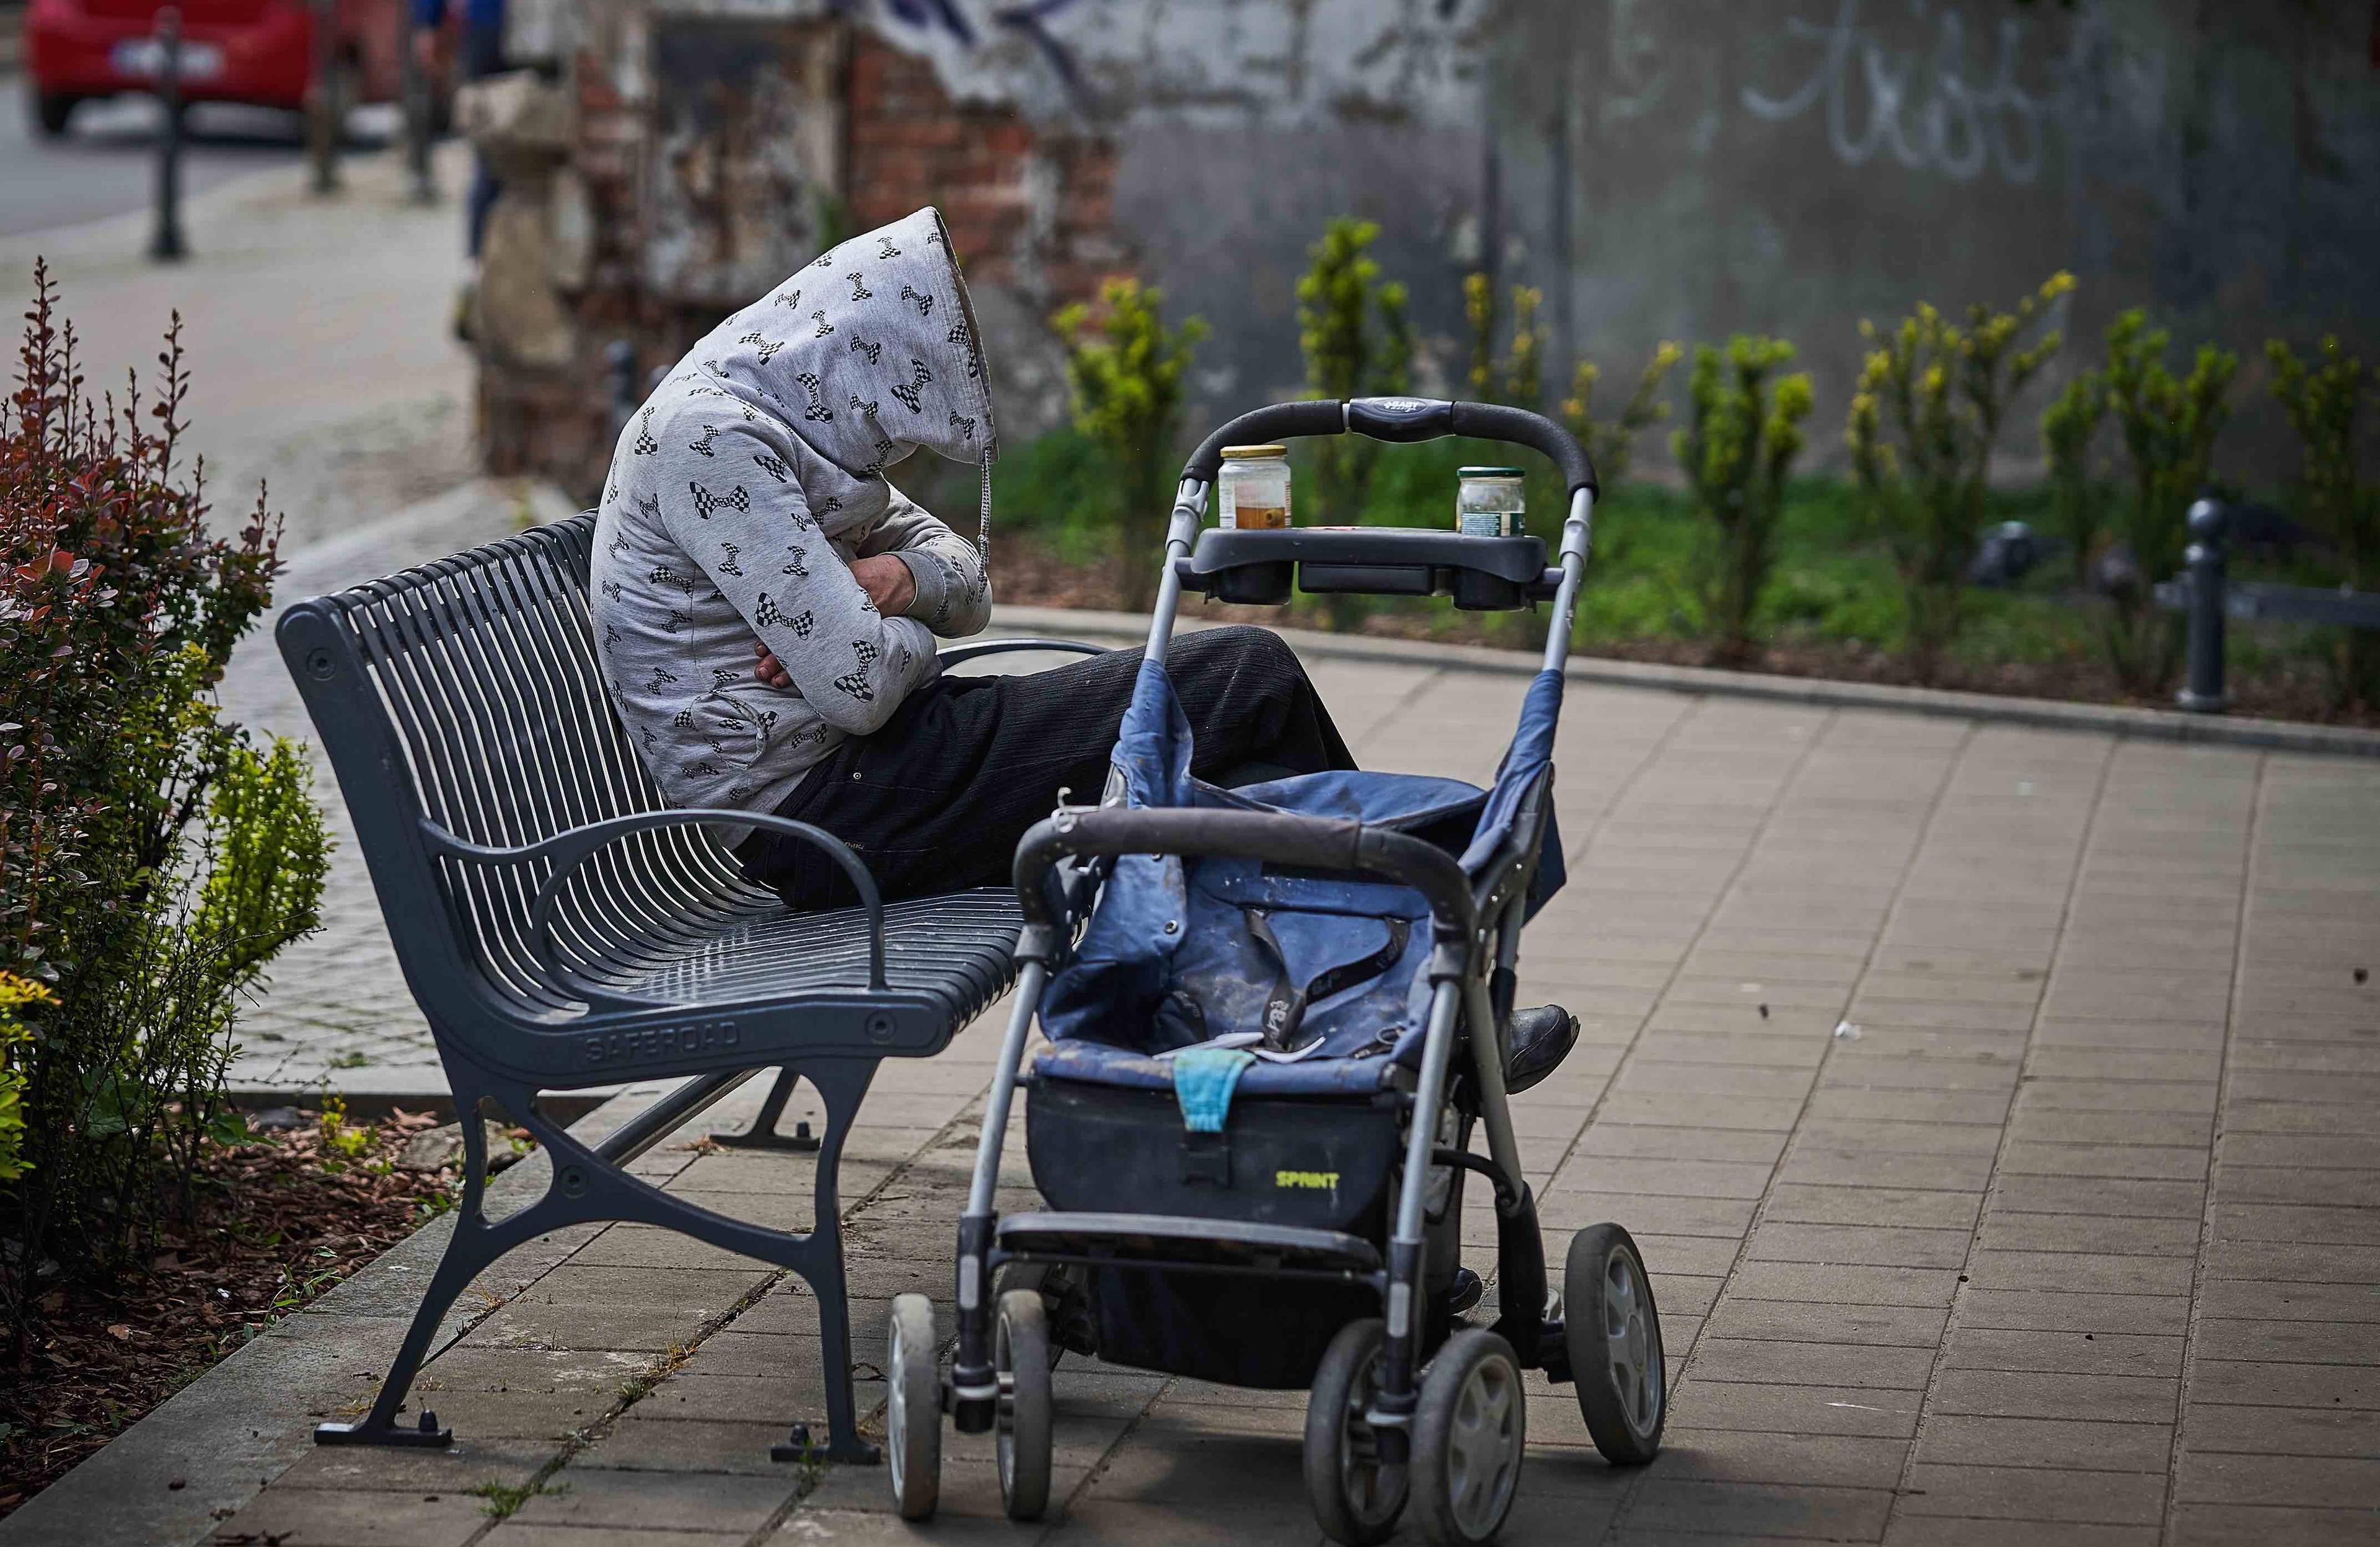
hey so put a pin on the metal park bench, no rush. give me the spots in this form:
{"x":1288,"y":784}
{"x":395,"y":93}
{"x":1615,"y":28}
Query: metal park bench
{"x":562,"y":928}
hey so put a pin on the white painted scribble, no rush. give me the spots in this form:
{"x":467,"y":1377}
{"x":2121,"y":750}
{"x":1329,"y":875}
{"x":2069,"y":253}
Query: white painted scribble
{"x":1219,"y":62}
{"x":1639,"y":78}
{"x":1924,"y":109}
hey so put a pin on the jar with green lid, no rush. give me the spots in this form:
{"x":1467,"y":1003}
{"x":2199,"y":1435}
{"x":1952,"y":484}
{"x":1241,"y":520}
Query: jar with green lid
{"x":1252,"y":492}
{"x":1490,"y":501}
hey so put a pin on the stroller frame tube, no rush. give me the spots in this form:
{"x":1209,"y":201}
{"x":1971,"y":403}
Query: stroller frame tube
{"x":974,"y":1384}
{"x":1181,"y":532}
{"x":975,"y":1387}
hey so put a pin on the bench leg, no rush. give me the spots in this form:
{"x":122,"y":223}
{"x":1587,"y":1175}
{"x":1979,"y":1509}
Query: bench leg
{"x":585,"y":1189}
{"x":474,"y":1248}
{"x":763,"y":1133}
{"x":842,"y":1083}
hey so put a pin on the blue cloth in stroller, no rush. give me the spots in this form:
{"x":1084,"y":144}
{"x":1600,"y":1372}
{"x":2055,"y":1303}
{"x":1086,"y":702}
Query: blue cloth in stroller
{"x":1178,"y":953}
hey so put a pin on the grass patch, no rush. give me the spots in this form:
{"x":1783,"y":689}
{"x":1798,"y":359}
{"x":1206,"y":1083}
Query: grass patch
{"x":504,"y":1498}
{"x":1833,"y":605}
{"x":637,"y":1387}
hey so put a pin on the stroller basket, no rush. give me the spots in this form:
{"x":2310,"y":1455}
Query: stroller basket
{"x":1182,"y":1246}
{"x":1313,"y":1163}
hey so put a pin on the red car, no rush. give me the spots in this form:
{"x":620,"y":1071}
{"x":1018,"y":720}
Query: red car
{"x":244,"y":51}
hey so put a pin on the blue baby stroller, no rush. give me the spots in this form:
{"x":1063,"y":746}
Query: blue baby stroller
{"x":1275,"y":1015}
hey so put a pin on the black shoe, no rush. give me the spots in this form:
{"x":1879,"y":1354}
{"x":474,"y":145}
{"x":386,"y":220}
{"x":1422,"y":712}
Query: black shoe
{"x":1466,"y":1291}
{"x":1542,"y":1038}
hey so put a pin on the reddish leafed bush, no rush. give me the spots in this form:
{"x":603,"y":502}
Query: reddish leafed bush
{"x":150,"y":859}
{"x":110,"y":579}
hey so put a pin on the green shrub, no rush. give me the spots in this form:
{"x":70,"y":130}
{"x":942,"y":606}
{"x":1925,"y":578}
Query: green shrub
{"x":16,"y":1040}
{"x":2078,"y":496}
{"x":2325,"y":400}
{"x":1479,"y":312}
{"x":151,"y":861}
{"x":1125,"y":367}
{"x":2167,"y":425}
{"x":1515,"y":376}
{"x":1611,"y":443}
{"x":1923,"y":425}
{"x":1739,"y":442}
{"x":1358,"y":342}
{"x":1059,"y":485}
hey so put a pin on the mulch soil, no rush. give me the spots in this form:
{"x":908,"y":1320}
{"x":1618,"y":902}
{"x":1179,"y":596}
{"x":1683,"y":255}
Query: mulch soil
{"x":1032,"y":573}
{"x":279,"y":1221}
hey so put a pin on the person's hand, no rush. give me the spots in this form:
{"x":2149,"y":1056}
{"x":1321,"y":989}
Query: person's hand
{"x":888,"y":581}
{"x":891,"y":588}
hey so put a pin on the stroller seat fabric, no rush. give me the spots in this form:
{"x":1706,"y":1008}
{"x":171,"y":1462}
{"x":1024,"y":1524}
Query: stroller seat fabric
{"x":1320,"y":977}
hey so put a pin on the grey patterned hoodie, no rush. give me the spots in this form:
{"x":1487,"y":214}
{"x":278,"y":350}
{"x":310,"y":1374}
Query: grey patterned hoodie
{"x":745,"y":487}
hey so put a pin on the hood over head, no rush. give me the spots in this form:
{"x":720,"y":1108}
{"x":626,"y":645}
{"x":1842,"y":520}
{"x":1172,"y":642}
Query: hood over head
{"x":868,"y":352}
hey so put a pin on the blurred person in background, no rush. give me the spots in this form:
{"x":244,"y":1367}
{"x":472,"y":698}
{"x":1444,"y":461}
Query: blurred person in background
{"x":483,"y":54}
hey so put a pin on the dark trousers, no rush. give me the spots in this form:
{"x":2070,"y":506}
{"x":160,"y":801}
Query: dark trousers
{"x":936,"y":800}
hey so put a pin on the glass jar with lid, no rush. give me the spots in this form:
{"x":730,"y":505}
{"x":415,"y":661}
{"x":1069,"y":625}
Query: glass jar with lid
{"x":1253,"y":490}
{"x":1490,"y":501}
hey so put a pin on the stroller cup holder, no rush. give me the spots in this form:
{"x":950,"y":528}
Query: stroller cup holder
{"x":1482,"y":574}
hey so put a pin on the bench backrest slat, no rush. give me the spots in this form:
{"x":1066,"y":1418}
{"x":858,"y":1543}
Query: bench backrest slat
{"x":485,"y":668}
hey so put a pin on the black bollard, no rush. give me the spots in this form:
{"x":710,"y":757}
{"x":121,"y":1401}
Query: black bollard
{"x":2203,"y":563}
{"x":322,"y":123}
{"x":416,"y":90}
{"x":166,"y":245}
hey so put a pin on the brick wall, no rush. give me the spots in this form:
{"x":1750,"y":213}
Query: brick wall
{"x":1031,"y":212}
{"x":1027,"y":208}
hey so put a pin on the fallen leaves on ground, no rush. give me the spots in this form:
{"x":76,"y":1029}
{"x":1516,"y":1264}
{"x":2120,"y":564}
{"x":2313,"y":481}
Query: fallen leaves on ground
{"x":281,"y":1219}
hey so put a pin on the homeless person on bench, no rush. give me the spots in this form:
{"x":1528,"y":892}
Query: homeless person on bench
{"x":747,"y":514}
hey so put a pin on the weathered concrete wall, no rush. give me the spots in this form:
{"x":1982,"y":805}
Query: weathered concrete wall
{"x":1660,"y":168}
{"x":1689,"y":168}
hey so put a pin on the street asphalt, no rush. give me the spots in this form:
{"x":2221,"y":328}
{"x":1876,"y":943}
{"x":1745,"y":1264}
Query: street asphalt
{"x":106,"y":162}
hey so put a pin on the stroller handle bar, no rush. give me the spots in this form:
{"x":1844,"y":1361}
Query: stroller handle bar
{"x":1304,"y":843}
{"x":1398,"y":418}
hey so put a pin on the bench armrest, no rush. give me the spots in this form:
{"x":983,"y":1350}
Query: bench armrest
{"x":567,"y":851}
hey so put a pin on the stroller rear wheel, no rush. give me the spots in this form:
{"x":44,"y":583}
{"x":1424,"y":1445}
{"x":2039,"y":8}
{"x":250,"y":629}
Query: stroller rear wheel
{"x":913,"y":1408}
{"x":1357,"y":1496}
{"x":1614,"y":1336}
{"x":1021,"y":1355}
{"x":1469,"y":1430}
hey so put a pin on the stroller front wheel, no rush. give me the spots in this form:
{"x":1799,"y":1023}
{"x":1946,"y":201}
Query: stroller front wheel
{"x":1021,"y":1356}
{"x":1613,"y":1331}
{"x":1469,"y":1430}
{"x":913,"y":1408}
{"x":1357,"y":1496}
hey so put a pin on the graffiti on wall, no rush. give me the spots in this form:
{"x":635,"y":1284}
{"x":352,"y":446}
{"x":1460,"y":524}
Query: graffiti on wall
{"x":1957,"y":103}
{"x":1289,"y":61}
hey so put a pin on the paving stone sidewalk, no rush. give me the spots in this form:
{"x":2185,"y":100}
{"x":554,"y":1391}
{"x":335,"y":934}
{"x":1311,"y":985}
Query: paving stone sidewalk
{"x":1996,"y":1108}
{"x":336,"y":1012}
{"x":317,"y":333}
